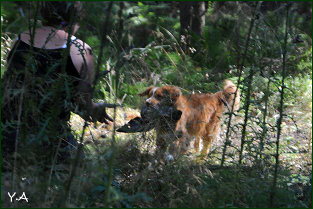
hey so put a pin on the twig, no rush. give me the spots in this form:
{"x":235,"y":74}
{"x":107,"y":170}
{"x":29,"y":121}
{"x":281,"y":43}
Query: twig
{"x":240,"y":69}
{"x":22,"y":97}
{"x":63,"y":198}
{"x":281,"y":109}
{"x":247,"y":105}
{"x":264,"y":128}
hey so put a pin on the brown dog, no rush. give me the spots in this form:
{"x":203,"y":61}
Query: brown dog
{"x":200,"y":116}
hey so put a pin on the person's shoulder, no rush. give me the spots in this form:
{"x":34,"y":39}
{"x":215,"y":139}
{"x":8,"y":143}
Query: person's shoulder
{"x":81,"y":45}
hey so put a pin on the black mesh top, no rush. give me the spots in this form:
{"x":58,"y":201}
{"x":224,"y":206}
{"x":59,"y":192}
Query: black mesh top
{"x":38,"y":89}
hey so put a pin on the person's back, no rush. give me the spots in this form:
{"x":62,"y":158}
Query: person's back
{"x":50,"y":73}
{"x":39,"y":87}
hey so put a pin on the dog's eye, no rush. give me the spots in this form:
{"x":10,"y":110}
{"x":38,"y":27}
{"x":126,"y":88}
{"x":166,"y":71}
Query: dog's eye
{"x":158,"y":96}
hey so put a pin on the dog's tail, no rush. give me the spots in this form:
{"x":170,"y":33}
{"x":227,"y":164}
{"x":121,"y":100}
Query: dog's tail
{"x":229,"y":92}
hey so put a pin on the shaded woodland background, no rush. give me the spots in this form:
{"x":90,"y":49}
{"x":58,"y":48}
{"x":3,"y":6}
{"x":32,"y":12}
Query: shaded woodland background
{"x":263,"y":156}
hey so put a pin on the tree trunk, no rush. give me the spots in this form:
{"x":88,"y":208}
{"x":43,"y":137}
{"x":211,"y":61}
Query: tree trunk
{"x":198,"y":19}
{"x":185,"y":9}
{"x":121,"y":21}
{"x":192,"y":17}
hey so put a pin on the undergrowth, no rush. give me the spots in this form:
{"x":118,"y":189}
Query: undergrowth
{"x":140,"y":178}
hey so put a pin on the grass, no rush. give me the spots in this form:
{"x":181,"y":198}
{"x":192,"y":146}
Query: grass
{"x":142,"y":180}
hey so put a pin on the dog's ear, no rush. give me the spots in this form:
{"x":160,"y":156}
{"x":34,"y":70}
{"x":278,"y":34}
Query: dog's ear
{"x":229,"y":93}
{"x":173,"y":92}
{"x":146,"y":92}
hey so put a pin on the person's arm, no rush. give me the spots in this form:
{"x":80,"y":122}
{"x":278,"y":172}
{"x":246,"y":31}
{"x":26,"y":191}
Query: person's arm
{"x":83,"y":61}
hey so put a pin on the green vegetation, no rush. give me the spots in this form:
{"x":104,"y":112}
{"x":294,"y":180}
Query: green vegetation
{"x":148,"y":45}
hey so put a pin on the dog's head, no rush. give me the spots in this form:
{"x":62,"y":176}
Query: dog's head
{"x":230,"y":95}
{"x":161,"y":96}
{"x":160,"y":103}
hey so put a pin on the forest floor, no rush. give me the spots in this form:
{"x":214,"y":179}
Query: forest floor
{"x":140,"y":179}
{"x":137,"y":171}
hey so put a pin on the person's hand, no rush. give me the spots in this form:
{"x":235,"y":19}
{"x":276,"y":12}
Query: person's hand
{"x":99,"y":113}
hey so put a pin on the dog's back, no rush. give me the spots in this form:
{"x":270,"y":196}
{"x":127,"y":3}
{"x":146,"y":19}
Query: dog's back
{"x":201,"y":114}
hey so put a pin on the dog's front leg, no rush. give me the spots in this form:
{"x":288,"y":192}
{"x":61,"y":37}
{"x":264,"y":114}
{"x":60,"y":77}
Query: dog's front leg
{"x":181,"y":145}
{"x":197,"y":144}
{"x":161,"y":145}
{"x":211,"y":134}
{"x":185,"y":144}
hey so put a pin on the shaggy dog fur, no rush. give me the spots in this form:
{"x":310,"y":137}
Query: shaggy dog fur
{"x":200,"y":116}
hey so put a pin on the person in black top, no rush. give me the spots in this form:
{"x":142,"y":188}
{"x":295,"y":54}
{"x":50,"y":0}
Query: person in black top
{"x":50,"y":73}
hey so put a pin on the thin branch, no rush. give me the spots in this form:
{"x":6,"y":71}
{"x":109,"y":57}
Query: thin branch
{"x":102,"y":44}
{"x":281,"y":110}
{"x":240,"y":69}
{"x":264,"y":128}
{"x":63,"y":198}
{"x":32,"y":34}
{"x":247,"y":105}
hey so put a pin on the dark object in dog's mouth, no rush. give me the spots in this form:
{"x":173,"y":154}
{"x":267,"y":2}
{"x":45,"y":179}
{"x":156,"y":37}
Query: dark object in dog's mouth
{"x":136,"y":125}
{"x":149,"y":116}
